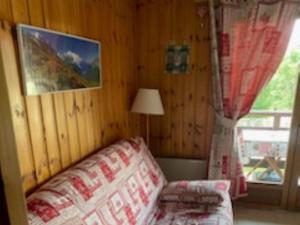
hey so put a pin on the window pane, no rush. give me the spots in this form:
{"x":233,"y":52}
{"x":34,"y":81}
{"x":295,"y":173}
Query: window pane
{"x":264,"y":154}
{"x":285,"y":122}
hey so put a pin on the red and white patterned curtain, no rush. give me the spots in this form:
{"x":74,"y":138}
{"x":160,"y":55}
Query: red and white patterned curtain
{"x":249,"y":39}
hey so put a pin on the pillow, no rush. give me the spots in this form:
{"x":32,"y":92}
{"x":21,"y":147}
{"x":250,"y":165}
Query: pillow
{"x":203,"y":192}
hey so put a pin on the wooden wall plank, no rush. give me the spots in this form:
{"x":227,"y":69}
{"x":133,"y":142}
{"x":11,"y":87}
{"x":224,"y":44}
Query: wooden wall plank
{"x":97,"y":116}
{"x":152,"y":48}
{"x":80,"y":107}
{"x":166,"y":12}
{"x":20,"y":115}
{"x":134,"y":119}
{"x":94,"y":29}
{"x":89,"y":120}
{"x":51,"y":135}
{"x":62,"y":130}
{"x":204,"y":113}
{"x":188,"y":89}
{"x":35,"y":120}
{"x":35,"y":12}
{"x":70,"y":104}
{"x":5,"y":11}
{"x":36,"y":17}
{"x":20,"y":11}
{"x":142,"y":59}
{"x":84,"y":109}
{"x":179,"y":10}
{"x":10,"y":106}
{"x":37,"y":139}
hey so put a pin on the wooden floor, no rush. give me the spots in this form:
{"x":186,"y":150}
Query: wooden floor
{"x":251,"y":216}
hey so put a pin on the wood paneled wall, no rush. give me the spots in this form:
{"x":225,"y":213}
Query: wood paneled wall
{"x":54,"y":131}
{"x":185,"y":130}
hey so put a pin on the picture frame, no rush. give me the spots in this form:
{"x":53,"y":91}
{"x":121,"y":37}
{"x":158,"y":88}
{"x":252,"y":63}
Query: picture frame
{"x":177,"y":59}
{"x":53,"y":61}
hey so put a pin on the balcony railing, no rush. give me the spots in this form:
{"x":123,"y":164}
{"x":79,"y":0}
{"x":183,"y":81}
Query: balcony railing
{"x":263,"y":141}
{"x":266,"y":120}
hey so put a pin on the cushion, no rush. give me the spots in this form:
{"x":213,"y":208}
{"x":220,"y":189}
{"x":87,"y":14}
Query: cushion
{"x":198,"y":211}
{"x":204,"y":192}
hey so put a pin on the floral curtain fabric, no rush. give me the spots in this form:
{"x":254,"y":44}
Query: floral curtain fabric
{"x":249,"y":39}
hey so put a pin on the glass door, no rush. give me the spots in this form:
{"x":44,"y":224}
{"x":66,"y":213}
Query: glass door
{"x":269,"y":136}
{"x":291,"y":191}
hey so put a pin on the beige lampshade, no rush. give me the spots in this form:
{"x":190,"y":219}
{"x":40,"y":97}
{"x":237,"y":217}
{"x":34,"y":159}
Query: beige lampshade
{"x":148,"y":101}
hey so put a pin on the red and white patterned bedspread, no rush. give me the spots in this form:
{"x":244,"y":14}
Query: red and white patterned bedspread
{"x":117,"y":186}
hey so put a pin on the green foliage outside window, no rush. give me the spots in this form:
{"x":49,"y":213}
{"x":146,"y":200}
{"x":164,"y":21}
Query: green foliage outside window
{"x":279,"y":94}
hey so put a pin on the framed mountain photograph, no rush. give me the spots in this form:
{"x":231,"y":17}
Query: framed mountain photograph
{"x":53,"y":61}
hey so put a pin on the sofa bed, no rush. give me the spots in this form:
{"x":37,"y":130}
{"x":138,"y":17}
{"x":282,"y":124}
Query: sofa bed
{"x":123,"y":185}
